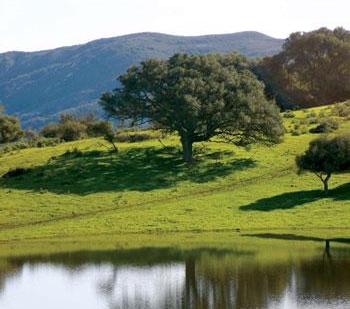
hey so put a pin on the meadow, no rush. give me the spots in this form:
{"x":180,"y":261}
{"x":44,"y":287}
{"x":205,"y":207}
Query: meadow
{"x":83,"y":192}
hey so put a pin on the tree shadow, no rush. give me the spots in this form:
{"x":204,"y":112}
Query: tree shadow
{"x":140,"y":169}
{"x":293,"y":199}
{"x":341,"y":193}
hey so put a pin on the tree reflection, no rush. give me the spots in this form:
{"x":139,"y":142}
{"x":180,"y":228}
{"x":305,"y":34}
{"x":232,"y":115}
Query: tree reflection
{"x":201,"y":279}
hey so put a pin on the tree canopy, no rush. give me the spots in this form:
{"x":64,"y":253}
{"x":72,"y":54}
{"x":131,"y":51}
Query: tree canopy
{"x":312,"y":69}
{"x":326,"y":156}
{"x":10,"y":128}
{"x":199,"y":97}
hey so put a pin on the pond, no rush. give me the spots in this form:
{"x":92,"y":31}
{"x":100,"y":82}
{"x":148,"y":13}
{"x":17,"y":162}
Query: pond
{"x":170,"y":277}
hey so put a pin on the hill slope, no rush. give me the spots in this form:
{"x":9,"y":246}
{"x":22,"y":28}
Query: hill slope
{"x":37,"y":86}
{"x":82,"y":190}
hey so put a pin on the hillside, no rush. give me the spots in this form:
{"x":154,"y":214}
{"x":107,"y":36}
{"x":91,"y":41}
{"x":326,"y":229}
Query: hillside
{"x":82,"y":190}
{"x":37,"y":86}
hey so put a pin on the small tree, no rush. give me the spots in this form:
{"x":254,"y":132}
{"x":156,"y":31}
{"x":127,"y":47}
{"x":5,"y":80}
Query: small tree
{"x":199,"y":97}
{"x":326,"y":156}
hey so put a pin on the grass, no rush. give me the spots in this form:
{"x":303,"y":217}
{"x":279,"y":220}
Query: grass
{"x":82,"y":191}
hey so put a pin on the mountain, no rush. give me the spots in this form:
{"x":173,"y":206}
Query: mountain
{"x":38,"y":86}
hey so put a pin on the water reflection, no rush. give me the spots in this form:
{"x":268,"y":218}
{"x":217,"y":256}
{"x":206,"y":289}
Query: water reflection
{"x":171,"y":278}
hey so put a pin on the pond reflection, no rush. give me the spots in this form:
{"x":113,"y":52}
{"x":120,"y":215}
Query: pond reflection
{"x":174,"y":278}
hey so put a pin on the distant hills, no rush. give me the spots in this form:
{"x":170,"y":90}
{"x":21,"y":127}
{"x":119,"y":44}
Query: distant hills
{"x":38,"y":86}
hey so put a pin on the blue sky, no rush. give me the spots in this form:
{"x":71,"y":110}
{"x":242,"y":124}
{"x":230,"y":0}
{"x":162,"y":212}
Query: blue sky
{"x":30,"y":25}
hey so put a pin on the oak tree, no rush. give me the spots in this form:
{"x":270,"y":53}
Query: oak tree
{"x":199,"y":97}
{"x":326,"y":156}
{"x":312,"y":69}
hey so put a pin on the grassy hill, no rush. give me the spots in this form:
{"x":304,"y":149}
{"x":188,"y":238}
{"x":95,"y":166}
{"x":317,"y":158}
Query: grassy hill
{"x":37,"y":86}
{"x":81,"y":190}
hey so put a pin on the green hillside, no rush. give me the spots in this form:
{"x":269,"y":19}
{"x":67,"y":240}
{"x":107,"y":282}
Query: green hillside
{"x":83,"y":190}
{"x":37,"y":86}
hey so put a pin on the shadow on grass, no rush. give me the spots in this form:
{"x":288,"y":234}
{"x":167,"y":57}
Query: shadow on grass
{"x":140,"y":169}
{"x":293,"y":199}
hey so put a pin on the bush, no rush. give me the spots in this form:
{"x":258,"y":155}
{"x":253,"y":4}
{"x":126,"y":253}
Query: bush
{"x":313,"y":121}
{"x":341,"y":110}
{"x":303,"y":129}
{"x":10,"y":128}
{"x":295,"y":132}
{"x":52,"y":130}
{"x":99,"y":128}
{"x":72,"y":130}
{"x":288,"y":114}
{"x":133,"y":137}
{"x":311,"y":115}
{"x":327,"y":125}
{"x":46,"y":142}
{"x":24,"y":144}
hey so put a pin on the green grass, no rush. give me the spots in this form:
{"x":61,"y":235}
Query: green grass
{"x":82,"y":191}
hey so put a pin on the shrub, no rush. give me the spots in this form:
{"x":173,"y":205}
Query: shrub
{"x":10,"y":128}
{"x":327,"y":125}
{"x":99,"y":128}
{"x":52,"y":130}
{"x":133,"y":137}
{"x":24,"y":144}
{"x":72,"y":130}
{"x":288,"y":114}
{"x":295,"y":132}
{"x":45,"y":142}
{"x":341,"y":110}
{"x":311,"y":115}
{"x":313,"y":121}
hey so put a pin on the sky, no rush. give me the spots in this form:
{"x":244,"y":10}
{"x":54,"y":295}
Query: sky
{"x":31,"y":25}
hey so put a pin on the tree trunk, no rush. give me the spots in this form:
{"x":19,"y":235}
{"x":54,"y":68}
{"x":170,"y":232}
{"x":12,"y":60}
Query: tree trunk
{"x":186,"y":149}
{"x":325,"y":184}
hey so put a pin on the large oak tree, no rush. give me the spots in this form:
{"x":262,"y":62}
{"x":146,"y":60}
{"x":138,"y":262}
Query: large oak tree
{"x":199,"y":97}
{"x":312,"y":69}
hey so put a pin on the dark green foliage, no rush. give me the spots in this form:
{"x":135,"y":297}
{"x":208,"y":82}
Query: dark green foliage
{"x":51,"y":130}
{"x":326,"y":156}
{"x":133,"y":137}
{"x":71,"y":128}
{"x":312,"y":69}
{"x":99,"y":128}
{"x":10,"y":128}
{"x":40,"y":85}
{"x":199,"y":97}
{"x":326,"y":125}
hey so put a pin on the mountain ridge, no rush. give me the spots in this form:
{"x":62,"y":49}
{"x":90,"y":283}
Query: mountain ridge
{"x":37,"y":86}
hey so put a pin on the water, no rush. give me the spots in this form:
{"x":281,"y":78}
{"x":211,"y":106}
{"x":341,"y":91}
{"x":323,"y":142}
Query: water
{"x":174,"y":278}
